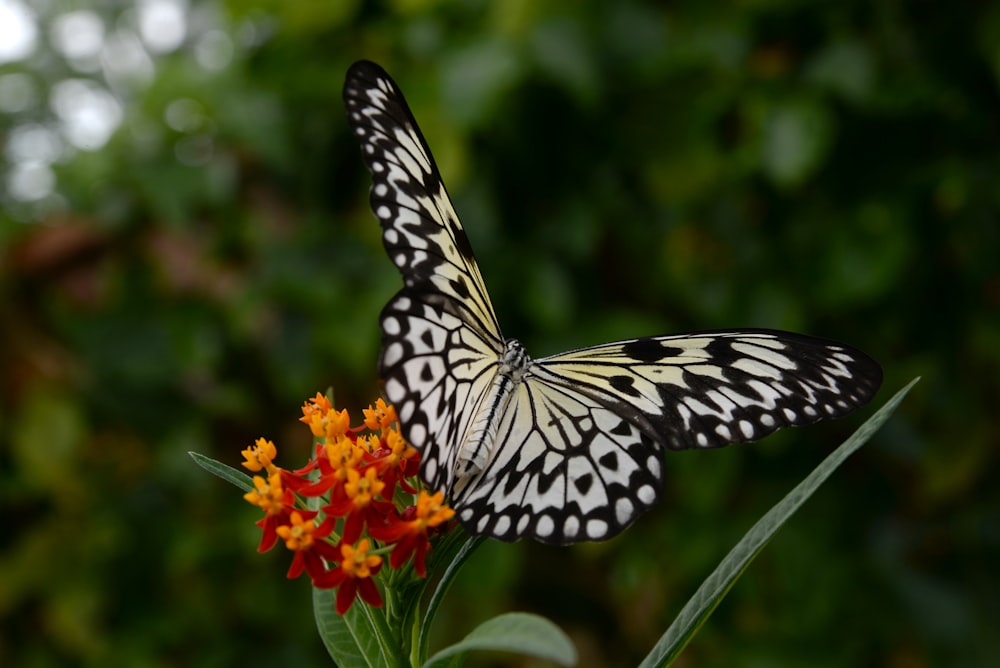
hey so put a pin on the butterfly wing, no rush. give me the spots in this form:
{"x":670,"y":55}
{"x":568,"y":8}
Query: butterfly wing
{"x":440,"y":337}
{"x":709,"y":389}
{"x":565,"y":468}
{"x":577,"y":454}
{"x":436,"y":371}
{"x":582,"y":442}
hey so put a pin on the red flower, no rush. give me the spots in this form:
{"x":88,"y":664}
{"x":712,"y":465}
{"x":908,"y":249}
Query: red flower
{"x":410,"y":533}
{"x":302,"y":536}
{"x":358,"y":503}
{"x":337,"y":458}
{"x":353,"y":577}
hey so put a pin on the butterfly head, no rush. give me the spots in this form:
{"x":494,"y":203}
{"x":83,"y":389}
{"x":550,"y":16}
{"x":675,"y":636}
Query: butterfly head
{"x":515,"y":360}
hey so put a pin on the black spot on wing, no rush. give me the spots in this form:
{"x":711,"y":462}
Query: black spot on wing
{"x":609,"y":461}
{"x":649,"y":350}
{"x":460,"y":287}
{"x":623,"y":384}
{"x":545,"y":482}
{"x":510,"y":484}
{"x":583,"y":483}
{"x":623,"y":429}
{"x":461,"y":240}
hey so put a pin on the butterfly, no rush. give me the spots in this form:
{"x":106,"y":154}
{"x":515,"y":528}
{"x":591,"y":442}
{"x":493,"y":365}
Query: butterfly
{"x":569,"y":447}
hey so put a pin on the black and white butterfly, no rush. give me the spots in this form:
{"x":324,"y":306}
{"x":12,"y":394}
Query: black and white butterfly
{"x":569,"y":447}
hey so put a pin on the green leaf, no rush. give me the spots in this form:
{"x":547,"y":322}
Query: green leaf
{"x":461,"y":556}
{"x":356,"y":639}
{"x":512,"y":632}
{"x":227,"y":473}
{"x":715,"y":587}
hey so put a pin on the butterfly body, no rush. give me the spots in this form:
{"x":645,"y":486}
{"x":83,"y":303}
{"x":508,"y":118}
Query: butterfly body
{"x":567,"y":447}
{"x":476,"y":447}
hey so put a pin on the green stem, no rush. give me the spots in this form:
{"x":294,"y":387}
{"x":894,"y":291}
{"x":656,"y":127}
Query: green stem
{"x":391,"y":646}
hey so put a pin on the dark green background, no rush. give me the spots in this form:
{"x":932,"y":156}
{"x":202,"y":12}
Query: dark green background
{"x":623,"y":168}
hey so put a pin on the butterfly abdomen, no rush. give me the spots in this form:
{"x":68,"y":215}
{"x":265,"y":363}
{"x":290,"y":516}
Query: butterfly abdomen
{"x":474,"y":452}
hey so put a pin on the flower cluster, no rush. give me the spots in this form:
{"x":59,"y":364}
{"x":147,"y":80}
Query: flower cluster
{"x":366,"y":502}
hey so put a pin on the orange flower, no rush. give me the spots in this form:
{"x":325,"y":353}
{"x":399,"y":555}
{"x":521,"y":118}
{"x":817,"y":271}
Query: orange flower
{"x":269,"y":494}
{"x":323,"y":420}
{"x":380,"y":417}
{"x":397,"y":460}
{"x":362,"y":489}
{"x":344,"y":456}
{"x":276,"y":501}
{"x":339,"y":457}
{"x":369,"y":444}
{"x":260,"y":455}
{"x":299,"y":534}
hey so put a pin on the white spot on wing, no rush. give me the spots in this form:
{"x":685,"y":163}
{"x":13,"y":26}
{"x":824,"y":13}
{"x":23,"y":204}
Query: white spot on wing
{"x":502,"y":525}
{"x":544,"y":526}
{"x":596,"y":529}
{"x":646,"y":494}
{"x":624,"y":510}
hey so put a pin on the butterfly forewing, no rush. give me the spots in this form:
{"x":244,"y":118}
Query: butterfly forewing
{"x":420,"y":229}
{"x":710,"y":389}
{"x":569,"y":447}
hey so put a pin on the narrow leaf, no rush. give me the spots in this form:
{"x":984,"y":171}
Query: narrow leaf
{"x":513,"y":632}
{"x":227,"y":473}
{"x":715,"y":587}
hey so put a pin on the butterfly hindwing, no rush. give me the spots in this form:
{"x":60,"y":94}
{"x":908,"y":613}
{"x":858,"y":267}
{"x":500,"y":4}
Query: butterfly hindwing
{"x":564,"y":469}
{"x":435,"y":370}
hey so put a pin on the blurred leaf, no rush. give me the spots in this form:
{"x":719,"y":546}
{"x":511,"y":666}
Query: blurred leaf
{"x":564,"y":52}
{"x":518,"y":632}
{"x":846,"y":68}
{"x":46,"y":440}
{"x":797,"y":135}
{"x":476,"y":78}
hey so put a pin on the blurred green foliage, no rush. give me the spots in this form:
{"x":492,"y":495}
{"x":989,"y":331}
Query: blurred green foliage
{"x":623,"y":169}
